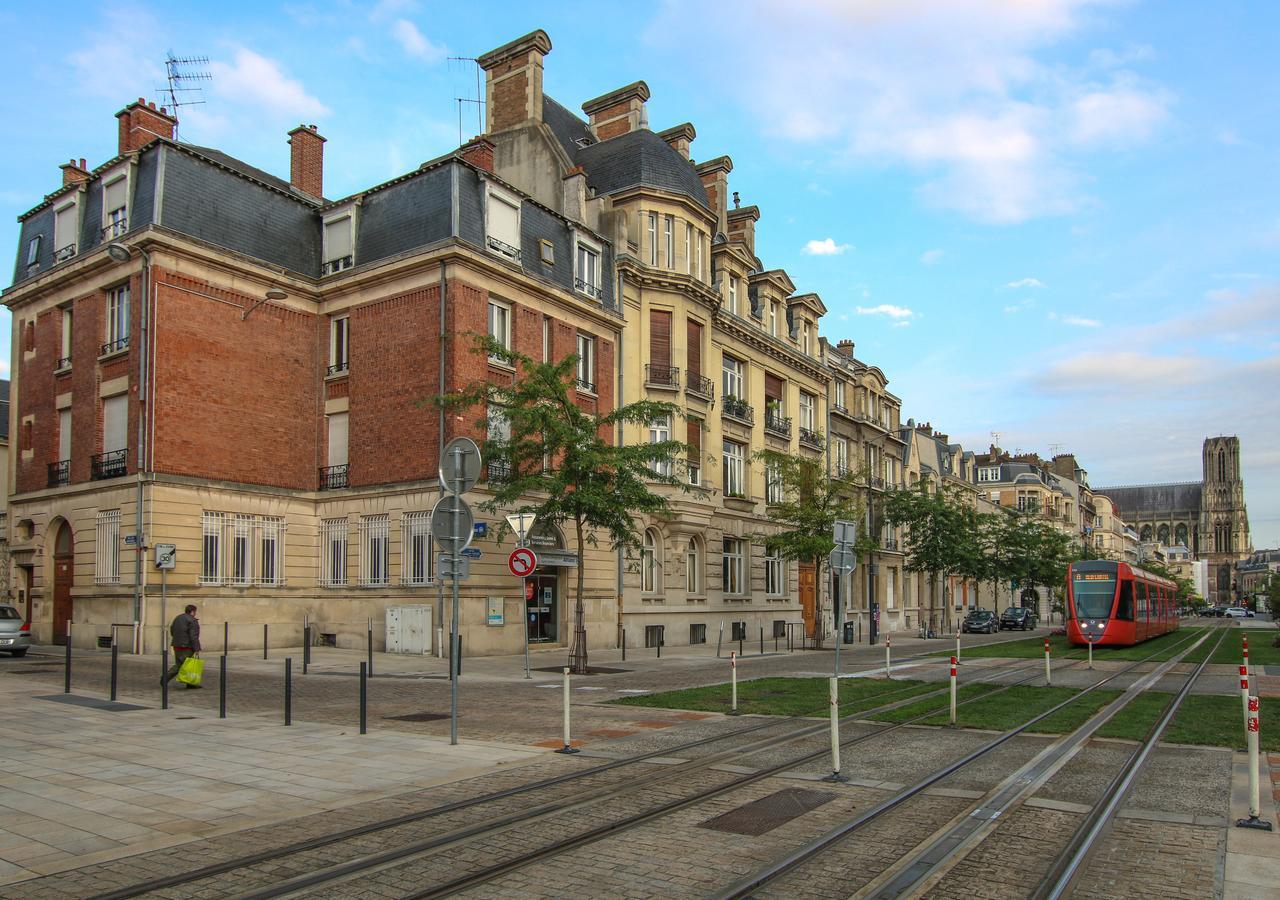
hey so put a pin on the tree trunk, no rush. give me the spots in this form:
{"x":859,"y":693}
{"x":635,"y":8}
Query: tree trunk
{"x":933,"y":593}
{"x":578,"y":650}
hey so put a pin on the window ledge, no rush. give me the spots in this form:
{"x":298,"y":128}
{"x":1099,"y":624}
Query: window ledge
{"x":337,"y":376}
{"x":65,"y":370}
{"x":114,"y":354}
{"x":501,"y":366}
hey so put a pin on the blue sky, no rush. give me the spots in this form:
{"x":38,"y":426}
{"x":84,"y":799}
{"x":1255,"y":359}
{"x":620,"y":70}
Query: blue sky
{"x":1057,"y":220}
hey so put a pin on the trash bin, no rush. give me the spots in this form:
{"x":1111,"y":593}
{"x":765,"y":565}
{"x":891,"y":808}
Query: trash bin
{"x":849,"y":628}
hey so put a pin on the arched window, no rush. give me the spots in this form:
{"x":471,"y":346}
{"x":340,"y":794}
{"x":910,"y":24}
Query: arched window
{"x":650,"y":562}
{"x":693,"y":568}
{"x":1180,"y":535}
{"x":1146,"y":533}
{"x":1163,"y":535}
{"x":1222,"y":465}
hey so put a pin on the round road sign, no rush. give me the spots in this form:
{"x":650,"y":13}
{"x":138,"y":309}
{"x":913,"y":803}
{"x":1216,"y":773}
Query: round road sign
{"x":522,"y":562}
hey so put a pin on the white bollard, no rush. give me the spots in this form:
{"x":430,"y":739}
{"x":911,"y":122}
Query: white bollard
{"x":953,"y":692}
{"x":1255,"y":801}
{"x":1090,"y":654}
{"x":1244,"y":694}
{"x":957,"y":643}
{"x":567,"y":748}
{"x":833,"y":700}
{"x":888,"y":671}
{"x":733,"y":682}
{"x":1048,"y":672}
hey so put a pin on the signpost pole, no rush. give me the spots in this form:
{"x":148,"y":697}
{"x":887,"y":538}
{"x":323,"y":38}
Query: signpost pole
{"x":453,"y":625}
{"x":524,"y":614}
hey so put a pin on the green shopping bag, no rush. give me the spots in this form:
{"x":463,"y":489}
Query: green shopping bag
{"x":192,"y":670}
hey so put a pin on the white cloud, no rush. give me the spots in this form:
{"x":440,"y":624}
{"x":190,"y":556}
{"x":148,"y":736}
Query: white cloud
{"x":4,"y":367}
{"x":257,"y":83}
{"x":931,"y":257}
{"x":1080,"y":322}
{"x":827,"y":247}
{"x":1112,"y":370}
{"x":1025,"y":283}
{"x":1013,"y":309}
{"x":1122,"y":115}
{"x":900,"y":313}
{"x":415,"y":43}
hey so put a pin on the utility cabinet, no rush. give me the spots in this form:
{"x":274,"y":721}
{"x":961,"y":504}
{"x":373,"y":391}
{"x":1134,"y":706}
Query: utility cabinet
{"x":409,"y":629}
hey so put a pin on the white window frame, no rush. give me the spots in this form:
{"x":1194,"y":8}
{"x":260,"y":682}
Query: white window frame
{"x":659,"y":432}
{"x":735,"y":469}
{"x":808,"y":410}
{"x":669,"y":240}
{"x":117,"y":328}
{"x":340,"y":344}
{"x":989,"y":473}
{"x":240,"y":549}
{"x":733,"y":372}
{"x":733,"y":294}
{"x":33,"y":250}
{"x":68,"y":332}
{"x":688,"y":247}
{"x":240,"y":545}
{"x":775,"y":573}
{"x":586,"y":362}
{"x":213,"y":526}
{"x":588,"y":264}
{"x":500,"y":245}
{"x":841,"y":446}
{"x":60,"y":242}
{"x":106,"y":558}
{"x":773,"y":492}
{"x":805,"y":343}
{"x":653,"y":239}
{"x":840,"y":394}
{"x":333,"y":553}
{"x":113,"y":226}
{"x":417,"y":550}
{"x":732,"y":557}
{"x":334,"y":262}
{"x":773,"y":319}
{"x":693,"y":569}
{"x":375,"y":550}
{"x":694,"y":466}
{"x":500,"y":330}
{"x":269,"y":541}
{"x":651,"y":562}
{"x":701,"y":251}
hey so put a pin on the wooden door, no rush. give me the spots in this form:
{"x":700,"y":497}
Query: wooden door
{"x":63,"y":575}
{"x":809,"y":598}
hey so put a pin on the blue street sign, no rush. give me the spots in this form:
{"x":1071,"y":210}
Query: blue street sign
{"x":471,"y":553}
{"x":481,"y":529}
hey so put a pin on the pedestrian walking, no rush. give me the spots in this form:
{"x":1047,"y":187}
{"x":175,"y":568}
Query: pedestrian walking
{"x":185,"y":640}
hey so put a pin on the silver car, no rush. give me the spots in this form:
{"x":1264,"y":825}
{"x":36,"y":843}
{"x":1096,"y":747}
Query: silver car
{"x":15,"y":633}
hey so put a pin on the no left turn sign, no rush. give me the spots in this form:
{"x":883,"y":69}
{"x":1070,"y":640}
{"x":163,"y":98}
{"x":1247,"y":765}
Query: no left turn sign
{"x":522,"y":562}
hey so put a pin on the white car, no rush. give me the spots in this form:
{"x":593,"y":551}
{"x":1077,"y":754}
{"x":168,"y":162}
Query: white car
{"x":1239,"y":612}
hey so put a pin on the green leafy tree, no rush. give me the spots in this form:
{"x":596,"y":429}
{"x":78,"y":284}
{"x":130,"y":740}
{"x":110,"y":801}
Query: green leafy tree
{"x":807,"y":508}
{"x":549,"y":456}
{"x":934,"y":528}
{"x":1272,"y":590}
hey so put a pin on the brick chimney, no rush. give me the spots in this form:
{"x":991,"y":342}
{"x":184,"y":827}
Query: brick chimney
{"x":680,"y":137}
{"x":618,"y":112}
{"x":574,"y":192}
{"x":742,"y":225}
{"x":513,"y":82}
{"x":73,"y":172}
{"x":715,"y":179}
{"x":479,"y":152}
{"x":306,"y":160}
{"x":845,"y":348}
{"x":141,"y":123}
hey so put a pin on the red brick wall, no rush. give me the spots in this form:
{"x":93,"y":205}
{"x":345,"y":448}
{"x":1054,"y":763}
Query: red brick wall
{"x":235,"y":400}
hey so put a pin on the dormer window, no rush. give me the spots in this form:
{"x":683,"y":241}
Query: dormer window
{"x":115,"y":198}
{"x":33,"y":251}
{"x":65,"y":222}
{"x":733,"y":295}
{"x":502,"y":223}
{"x":338,"y":244}
{"x":586,"y":272}
{"x":773,"y":320}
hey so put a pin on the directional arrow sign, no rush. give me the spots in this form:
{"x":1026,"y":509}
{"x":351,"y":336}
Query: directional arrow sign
{"x":522,"y":562}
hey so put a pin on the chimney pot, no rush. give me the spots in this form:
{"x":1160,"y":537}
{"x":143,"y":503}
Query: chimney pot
{"x":306,"y":160}
{"x":479,"y":152}
{"x":618,"y":112}
{"x":736,"y":201}
{"x":513,"y":82}
{"x":141,"y":123}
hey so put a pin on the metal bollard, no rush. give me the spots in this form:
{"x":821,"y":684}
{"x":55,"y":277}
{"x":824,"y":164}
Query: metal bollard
{"x":733,"y":682}
{"x":222,"y":686}
{"x":762,"y":640}
{"x":370,"y":654}
{"x":1255,"y":804}
{"x":264,"y":640}
{"x":567,"y":748}
{"x":739,"y":646}
{"x":115,"y":661}
{"x":66,"y":678}
{"x":953,"y":692}
{"x":888,"y":669}
{"x":1048,"y":672}
{"x":833,"y":700}
{"x":226,"y":636}
{"x":957,"y":644}
{"x":659,"y":648}
{"x":624,"y":645}
{"x":164,"y":679}
{"x":719,"y":640}
{"x":1090,"y":654}
{"x":1244,"y":695}
{"x":288,"y":690}
{"x":306,"y":648}
{"x":364,"y":698}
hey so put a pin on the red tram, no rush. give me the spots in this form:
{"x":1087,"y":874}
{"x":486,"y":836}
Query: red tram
{"x":1116,"y":604}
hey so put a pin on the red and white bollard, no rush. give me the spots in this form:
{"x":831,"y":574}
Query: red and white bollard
{"x":1244,"y":694}
{"x":888,"y":672}
{"x":733,"y":682}
{"x":568,"y":745}
{"x":1048,"y":671}
{"x":957,"y":656}
{"x":953,"y":692}
{"x":1255,"y":804}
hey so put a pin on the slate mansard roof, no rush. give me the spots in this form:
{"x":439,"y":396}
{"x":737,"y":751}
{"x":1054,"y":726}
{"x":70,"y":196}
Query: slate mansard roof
{"x":1139,"y":501}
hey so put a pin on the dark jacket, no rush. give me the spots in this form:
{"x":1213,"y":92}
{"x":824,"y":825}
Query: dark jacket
{"x":185,"y":632}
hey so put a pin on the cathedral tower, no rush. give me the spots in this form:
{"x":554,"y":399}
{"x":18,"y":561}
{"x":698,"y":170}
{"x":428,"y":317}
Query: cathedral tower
{"x":1224,"y":521}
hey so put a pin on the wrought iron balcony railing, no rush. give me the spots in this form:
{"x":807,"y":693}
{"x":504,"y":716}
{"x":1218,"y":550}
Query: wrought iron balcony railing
{"x":662,"y":376}
{"x":64,"y":362}
{"x":586,"y":287}
{"x":810,"y":437}
{"x":336,"y":369}
{"x":337,"y":265}
{"x":115,"y":228}
{"x":738,"y":409}
{"x":333,"y":477}
{"x":108,"y":465}
{"x":59,"y":473}
{"x":64,"y":253}
{"x":504,"y":248}
{"x":115,"y":346}
{"x":699,"y":385}
{"x":498,"y":471}
{"x":777,"y":424}
{"x":584,"y":385}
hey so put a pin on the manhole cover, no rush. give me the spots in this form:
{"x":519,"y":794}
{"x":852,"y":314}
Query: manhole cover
{"x":763,"y":815}
{"x":418,"y":717}
{"x":593,"y":670}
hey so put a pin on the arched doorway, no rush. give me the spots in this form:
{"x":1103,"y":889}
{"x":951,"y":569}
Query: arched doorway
{"x":64,"y":561}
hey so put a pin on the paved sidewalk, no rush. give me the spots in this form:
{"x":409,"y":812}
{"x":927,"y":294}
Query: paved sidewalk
{"x":1253,"y":857}
{"x":91,"y":783}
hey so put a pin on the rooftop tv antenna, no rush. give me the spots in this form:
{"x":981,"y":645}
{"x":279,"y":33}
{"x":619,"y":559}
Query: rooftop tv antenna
{"x":995,"y":438}
{"x":181,"y":72}
{"x":478,"y":101}
{"x":1055,"y":449}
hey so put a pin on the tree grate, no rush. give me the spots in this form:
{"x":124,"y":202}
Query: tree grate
{"x":762,"y":816}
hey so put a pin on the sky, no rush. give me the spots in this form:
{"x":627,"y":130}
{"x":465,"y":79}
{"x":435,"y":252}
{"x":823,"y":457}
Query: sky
{"x":1057,"y":221}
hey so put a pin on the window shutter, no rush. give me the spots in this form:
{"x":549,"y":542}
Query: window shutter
{"x":694,"y":439}
{"x":64,"y":227}
{"x":337,"y":239}
{"x":660,"y":338}
{"x":115,"y":423}
{"x":695,"y":348}
{"x":114,"y":195}
{"x":338,"y":439}
{"x":773,"y":386}
{"x":504,"y":221}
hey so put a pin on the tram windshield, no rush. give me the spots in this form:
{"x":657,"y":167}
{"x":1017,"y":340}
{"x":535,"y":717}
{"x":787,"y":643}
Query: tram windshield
{"x":1093,"y":593}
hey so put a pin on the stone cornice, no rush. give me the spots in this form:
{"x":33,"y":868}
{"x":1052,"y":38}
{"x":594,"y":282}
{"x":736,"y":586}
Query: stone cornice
{"x":737,"y":328}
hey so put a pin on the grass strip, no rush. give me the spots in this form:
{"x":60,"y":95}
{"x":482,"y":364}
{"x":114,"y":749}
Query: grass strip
{"x":784,"y":696}
{"x":1210,"y":720}
{"x":1168,"y":646}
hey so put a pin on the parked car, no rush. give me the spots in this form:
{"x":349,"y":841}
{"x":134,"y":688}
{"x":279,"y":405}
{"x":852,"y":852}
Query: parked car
{"x":980,"y":620}
{"x":1212,"y":612}
{"x":15,"y":632}
{"x":1018,"y":617}
{"x":1238,"y":612}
